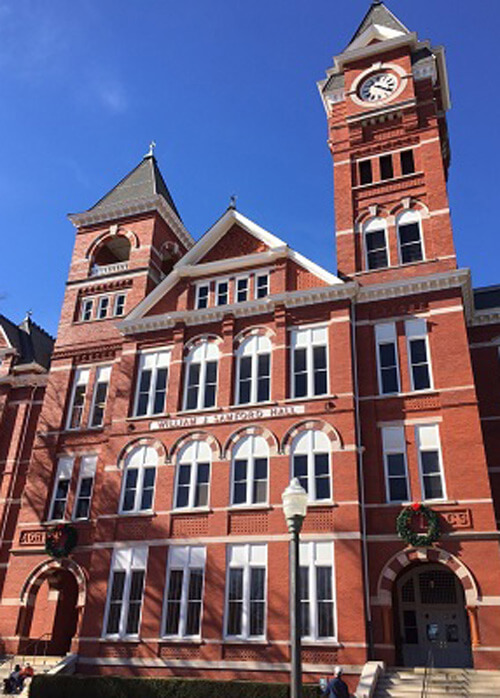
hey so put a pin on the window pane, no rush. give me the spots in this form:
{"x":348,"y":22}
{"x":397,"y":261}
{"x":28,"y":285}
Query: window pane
{"x":320,"y":373}
{"x":398,"y":489}
{"x":396,"y":464}
{"x":433,"y":487}
{"x":240,"y":482}
{"x":430,"y":462}
{"x":194,"y":602}
{"x":390,"y":383}
{"x":115,"y":602}
{"x":387,"y":354}
{"x":174,"y":594}
{"x":160,"y":390}
{"x":386,"y":169}
{"x":411,"y":253}
{"x":300,"y":374}
{"x":210,"y":383}
{"x":322,"y":475}
{"x":257,"y":606}
{"x":235,"y":605}
{"x":407,"y":162}
{"x":365,"y":172}
{"x":375,"y":240}
{"x":300,"y":469}
{"x":99,"y":404}
{"x":148,"y":488}
{"x":421,"y":377}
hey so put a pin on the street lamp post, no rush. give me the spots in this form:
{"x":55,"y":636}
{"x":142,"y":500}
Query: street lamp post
{"x":294,"y":509}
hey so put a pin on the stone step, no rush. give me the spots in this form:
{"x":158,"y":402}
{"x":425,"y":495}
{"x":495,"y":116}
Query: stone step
{"x":442,"y":683}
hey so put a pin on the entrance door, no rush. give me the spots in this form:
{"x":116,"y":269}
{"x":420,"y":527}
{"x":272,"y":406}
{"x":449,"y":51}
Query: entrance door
{"x":432,"y":618}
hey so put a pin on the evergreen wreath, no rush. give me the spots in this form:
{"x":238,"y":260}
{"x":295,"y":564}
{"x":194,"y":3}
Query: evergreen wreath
{"x":60,"y":540}
{"x":418,"y":540}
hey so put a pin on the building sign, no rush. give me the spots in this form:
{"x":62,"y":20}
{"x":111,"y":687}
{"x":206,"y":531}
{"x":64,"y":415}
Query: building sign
{"x":253,"y":415}
{"x":34,"y":537}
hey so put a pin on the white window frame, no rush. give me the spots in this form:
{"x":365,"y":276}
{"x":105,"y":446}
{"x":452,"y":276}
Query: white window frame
{"x":410,"y":216}
{"x":184,"y":558}
{"x":201,"y":353}
{"x":88,"y":466}
{"x":87,"y":305}
{"x":193,"y":453}
{"x":64,"y":471}
{"x":246,"y":557}
{"x":236,"y":291}
{"x":126,"y":560}
{"x":218,"y":283}
{"x":102,"y":375}
{"x":374,"y":225}
{"x":385,"y":333}
{"x":203,"y":284}
{"x":427,"y":438}
{"x":314,"y":554}
{"x":394,"y":442}
{"x":417,"y":329}
{"x":256,"y":275}
{"x":103,"y":300}
{"x":115,"y":304}
{"x":311,"y":442}
{"x":252,"y":448}
{"x":148,"y":458}
{"x":308,"y":337}
{"x":81,"y":377}
{"x":153,"y":360}
{"x":253,"y":347}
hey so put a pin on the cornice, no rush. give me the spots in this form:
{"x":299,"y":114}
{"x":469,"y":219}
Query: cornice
{"x":86,"y":353}
{"x":35,"y":380}
{"x":485,"y":317}
{"x":156,"y":203}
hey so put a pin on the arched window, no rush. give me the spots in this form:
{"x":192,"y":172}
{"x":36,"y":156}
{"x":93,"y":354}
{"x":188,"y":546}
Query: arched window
{"x":193,"y":475}
{"x":250,"y":467}
{"x":201,"y":376}
{"x":311,"y":463}
{"x":139,"y":475}
{"x":375,"y":236}
{"x":253,"y":370}
{"x":410,"y":237}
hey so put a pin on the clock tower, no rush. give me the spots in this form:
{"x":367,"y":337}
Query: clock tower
{"x":386,"y":98}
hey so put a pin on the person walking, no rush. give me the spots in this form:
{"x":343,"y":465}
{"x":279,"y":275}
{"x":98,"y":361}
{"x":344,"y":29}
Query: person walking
{"x":336,"y":687}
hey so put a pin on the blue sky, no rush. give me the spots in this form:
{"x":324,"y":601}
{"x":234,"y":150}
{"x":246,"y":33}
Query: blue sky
{"x":227,"y":89}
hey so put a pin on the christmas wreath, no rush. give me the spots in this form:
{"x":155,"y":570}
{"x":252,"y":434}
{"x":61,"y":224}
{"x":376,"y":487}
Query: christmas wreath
{"x":60,"y":540}
{"x":405,"y":531}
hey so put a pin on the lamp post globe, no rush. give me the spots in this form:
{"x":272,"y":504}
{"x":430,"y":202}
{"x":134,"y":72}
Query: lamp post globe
{"x":295,"y":508}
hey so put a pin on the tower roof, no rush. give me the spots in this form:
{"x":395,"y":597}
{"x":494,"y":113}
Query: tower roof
{"x":32,"y":343}
{"x":144,"y":182}
{"x":379,"y":15}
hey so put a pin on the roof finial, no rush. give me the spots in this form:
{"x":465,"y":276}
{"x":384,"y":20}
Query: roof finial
{"x":151,"y":151}
{"x":232,"y":203}
{"x":29,"y":313}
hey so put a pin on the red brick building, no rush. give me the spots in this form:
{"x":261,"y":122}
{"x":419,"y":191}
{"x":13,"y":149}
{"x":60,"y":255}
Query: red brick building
{"x":191,"y":380}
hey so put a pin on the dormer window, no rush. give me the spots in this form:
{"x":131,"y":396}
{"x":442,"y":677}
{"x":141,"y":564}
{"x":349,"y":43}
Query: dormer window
{"x":242,"y":289}
{"x":202,"y":296}
{"x":233,"y":289}
{"x":223,"y":292}
{"x":262,"y":285}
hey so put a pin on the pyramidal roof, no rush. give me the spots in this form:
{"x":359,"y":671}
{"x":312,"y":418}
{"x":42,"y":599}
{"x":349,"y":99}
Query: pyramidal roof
{"x":379,"y":15}
{"x":144,"y":182}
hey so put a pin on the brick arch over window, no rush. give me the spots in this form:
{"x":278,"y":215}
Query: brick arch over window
{"x":409,"y":204}
{"x":315,"y":424}
{"x":252,"y":430}
{"x":199,"y":339}
{"x":259,"y":331}
{"x":37,"y":576}
{"x":197,"y":436}
{"x":409,"y":557}
{"x":144,"y":441}
{"x":109,"y":235}
{"x":375,"y":211}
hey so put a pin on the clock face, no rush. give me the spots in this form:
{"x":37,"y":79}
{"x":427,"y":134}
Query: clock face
{"x":378,"y":87}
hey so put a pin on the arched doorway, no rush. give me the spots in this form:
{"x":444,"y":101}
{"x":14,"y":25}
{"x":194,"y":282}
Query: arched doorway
{"x":52,"y":600}
{"x":431,"y":617}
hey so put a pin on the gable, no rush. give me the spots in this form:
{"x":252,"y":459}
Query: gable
{"x":235,"y":243}
{"x":299,"y":278}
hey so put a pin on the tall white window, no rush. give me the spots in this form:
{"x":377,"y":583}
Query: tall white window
{"x":77,"y":402}
{"x":246,"y":591}
{"x":395,"y":465}
{"x":86,"y":309}
{"x":418,"y":354}
{"x":103,"y":307}
{"x":152,"y":383}
{"x":101,"y":385}
{"x":241,"y":292}
{"x":139,"y":475}
{"x":410,"y":237}
{"x":202,"y":296}
{"x":430,"y":461}
{"x":119,"y":304}
{"x":125,"y":592}
{"x":222,"y":292}
{"x":201,"y":376}
{"x":84,"y":487}
{"x":311,"y":463}
{"x":387,"y":358}
{"x":317,"y":591}
{"x":262,"y":285}
{"x":193,"y":475}
{"x":250,"y":471}
{"x":376,"y":249}
{"x":184,"y":591}
{"x":309,"y":361}
{"x":61,"y":488}
{"x":253,"y":370}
